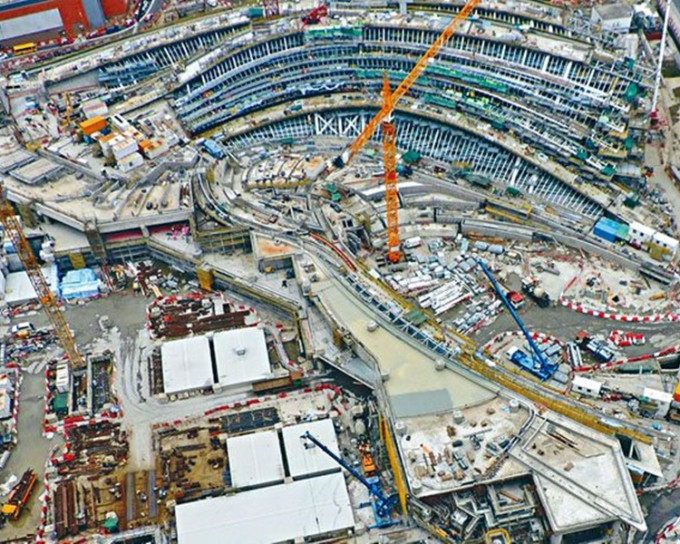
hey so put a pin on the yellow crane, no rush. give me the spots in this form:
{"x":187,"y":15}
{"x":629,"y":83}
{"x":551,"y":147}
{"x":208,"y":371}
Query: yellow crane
{"x":49,"y":303}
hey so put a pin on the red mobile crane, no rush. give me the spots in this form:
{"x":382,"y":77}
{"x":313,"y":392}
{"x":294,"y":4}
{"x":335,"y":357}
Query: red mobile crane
{"x":314,"y":16}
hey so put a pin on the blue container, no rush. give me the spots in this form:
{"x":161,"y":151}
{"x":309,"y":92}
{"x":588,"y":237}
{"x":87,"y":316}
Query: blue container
{"x":606,"y":229}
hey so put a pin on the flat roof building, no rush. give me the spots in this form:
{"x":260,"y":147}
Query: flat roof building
{"x":241,"y":356}
{"x":45,"y":24}
{"x":271,"y":253}
{"x":255,"y":459}
{"x":304,"y":460}
{"x":299,"y":510}
{"x":187,"y":365}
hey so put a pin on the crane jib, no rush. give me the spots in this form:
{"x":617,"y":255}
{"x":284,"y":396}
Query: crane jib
{"x":410,"y":79}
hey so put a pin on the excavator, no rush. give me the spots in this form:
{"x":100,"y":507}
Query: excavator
{"x":314,"y":16}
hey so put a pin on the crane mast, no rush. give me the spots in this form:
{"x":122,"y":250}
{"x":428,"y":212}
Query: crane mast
{"x":389,"y":144}
{"x":49,"y":303}
{"x":540,"y":356}
{"x":384,"y":505}
{"x":370,"y":128}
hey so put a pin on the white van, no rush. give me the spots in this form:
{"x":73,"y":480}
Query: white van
{"x":22,"y":329}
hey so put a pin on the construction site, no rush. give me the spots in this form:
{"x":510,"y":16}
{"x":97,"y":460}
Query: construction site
{"x":363,"y":272}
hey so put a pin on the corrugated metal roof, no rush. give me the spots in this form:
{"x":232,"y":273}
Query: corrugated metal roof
{"x":186,"y":364}
{"x":304,"y":460}
{"x":280,"y":513}
{"x":241,"y":356}
{"x":255,"y":459}
{"x":30,"y":24}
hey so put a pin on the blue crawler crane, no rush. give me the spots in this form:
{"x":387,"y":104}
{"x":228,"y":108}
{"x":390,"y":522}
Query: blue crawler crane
{"x":540,"y":366}
{"x":382,"y":505}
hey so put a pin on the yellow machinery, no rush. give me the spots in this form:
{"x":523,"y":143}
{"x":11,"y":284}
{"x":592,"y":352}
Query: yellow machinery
{"x":68,"y":114}
{"x":393,"y":456}
{"x":49,"y":303}
{"x":497,"y":536}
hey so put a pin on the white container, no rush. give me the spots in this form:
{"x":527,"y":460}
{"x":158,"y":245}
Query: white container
{"x":131,"y":161}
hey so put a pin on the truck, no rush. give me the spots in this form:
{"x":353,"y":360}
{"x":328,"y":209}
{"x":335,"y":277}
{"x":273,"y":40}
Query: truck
{"x":531,"y":287}
{"x":414,"y":242}
{"x":597,"y":349}
{"x":18,"y":497}
{"x":213,"y":148}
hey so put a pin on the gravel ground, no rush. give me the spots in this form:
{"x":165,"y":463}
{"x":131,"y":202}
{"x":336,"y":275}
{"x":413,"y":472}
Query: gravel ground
{"x":128,"y":313}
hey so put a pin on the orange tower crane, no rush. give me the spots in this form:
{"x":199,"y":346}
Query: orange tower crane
{"x":408,"y":82}
{"x":384,"y":119}
{"x":49,"y":303}
{"x":389,"y":145}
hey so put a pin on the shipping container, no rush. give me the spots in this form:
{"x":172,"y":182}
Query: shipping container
{"x":92,"y":125}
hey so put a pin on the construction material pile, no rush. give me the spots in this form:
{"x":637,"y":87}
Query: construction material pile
{"x":97,"y":448}
{"x":175,"y":317}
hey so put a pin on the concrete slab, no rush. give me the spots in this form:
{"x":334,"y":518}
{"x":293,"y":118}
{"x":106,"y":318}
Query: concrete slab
{"x":410,"y":370}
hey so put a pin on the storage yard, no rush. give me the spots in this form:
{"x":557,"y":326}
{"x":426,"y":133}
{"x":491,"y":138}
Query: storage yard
{"x":339,"y":272}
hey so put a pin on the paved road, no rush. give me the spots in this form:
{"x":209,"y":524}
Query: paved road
{"x":565,"y":323}
{"x":662,"y":509}
{"x":31,"y":452}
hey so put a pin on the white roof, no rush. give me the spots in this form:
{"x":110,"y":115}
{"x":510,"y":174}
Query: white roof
{"x":586,"y":383}
{"x":241,"y":356}
{"x":655,"y":394}
{"x":660,"y":237}
{"x":303,"y":461}
{"x":255,"y":459}
{"x":647,"y":460}
{"x":610,"y":12}
{"x":278,"y":513}
{"x":643,"y":229}
{"x":186,"y":364}
{"x":43,"y":21}
{"x":18,"y":289}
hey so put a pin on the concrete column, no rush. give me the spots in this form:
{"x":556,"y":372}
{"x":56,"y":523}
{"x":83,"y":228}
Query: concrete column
{"x":556,"y":539}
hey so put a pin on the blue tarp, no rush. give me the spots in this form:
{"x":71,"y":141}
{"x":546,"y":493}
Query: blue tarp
{"x":606,"y":229}
{"x":82,"y":283}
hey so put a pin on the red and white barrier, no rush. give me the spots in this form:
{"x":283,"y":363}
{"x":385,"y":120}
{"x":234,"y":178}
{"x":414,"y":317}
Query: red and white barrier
{"x":626,"y":318}
{"x":625,"y":339}
{"x":537,"y":337}
{"x":639,"y":358}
